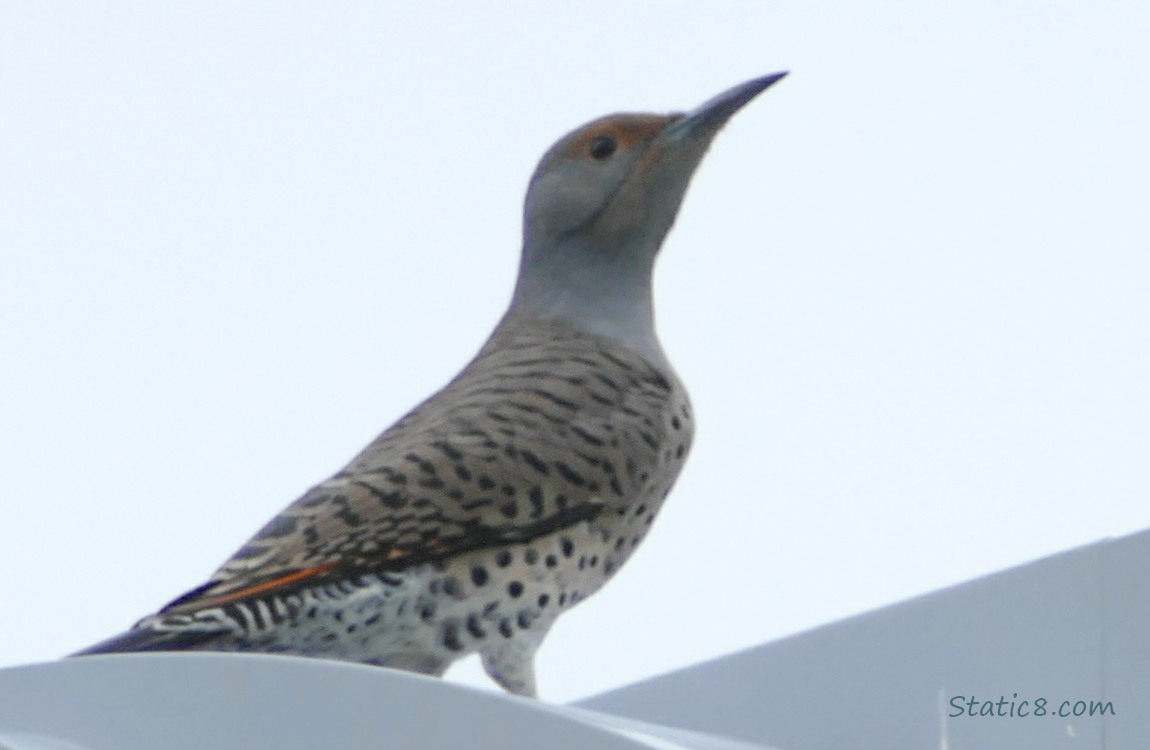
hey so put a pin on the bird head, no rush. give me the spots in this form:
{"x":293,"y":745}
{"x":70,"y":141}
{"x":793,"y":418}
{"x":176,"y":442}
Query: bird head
{"x":598,"y":207}
{"x":620,"y":179}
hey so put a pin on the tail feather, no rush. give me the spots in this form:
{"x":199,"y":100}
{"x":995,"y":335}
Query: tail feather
{"x":145,"y":639}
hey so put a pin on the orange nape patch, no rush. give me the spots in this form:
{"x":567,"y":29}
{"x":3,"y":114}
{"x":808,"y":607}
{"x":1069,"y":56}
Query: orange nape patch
{"x":263,"y":586}
{"x":628,"y":130}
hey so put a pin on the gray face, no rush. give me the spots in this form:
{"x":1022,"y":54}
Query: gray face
{"x":585,"y":172}
{"x":598,"y":208}
{"x":619,"y":180}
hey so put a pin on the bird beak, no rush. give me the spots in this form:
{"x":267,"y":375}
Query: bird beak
{"x":650,"y":197}
{"x":708,"y":118}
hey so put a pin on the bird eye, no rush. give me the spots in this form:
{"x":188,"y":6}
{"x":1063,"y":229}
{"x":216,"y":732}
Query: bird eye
{"x":602,"y":146}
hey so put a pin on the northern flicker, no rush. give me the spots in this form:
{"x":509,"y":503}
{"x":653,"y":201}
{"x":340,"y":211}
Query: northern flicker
{"x":518,"y":489}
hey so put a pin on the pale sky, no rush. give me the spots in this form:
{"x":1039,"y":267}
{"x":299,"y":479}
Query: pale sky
{"x":907,"y":290}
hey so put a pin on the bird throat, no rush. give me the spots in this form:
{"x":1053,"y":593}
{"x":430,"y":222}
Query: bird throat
{"x":601,"y":291}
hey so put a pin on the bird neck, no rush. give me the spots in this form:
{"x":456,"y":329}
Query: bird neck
{"x":602,"y":291}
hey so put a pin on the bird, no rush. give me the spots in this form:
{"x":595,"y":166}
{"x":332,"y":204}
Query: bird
{"x":519,"y":488}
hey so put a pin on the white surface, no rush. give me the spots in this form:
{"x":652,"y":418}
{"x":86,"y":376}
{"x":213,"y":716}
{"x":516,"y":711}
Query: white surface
{"x":239,"y":702}
{"x":34,"y":742}
{"x":907,"y":290}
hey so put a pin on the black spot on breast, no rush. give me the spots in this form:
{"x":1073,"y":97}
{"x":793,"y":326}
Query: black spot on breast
{"x":530,"y":556}
{"x":474,"y":627}
{"x":543,"y":600}
{"x":587,"y":437}
{"x":592,"y":460}
{"x":536,"y":498}
{"x":567,"y":546}
{"x":424,"y":465}
{"x":450,"y":637}
{"x":570,"y":474}
{"x":503,"y":558}
{"x":475,"y":503}
{"x":479,"y":575}
{"x":660,"y":382}
{"x":448,"y":450}
{"x":557,"y":400}
{"x":393,"y":500}
{"x":535,"y":462}
{"x":606,"y":380}
{"x":515,"y":589}
{"x":509,"y":509}
{"x":348,"y":516}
